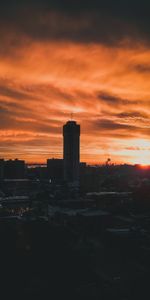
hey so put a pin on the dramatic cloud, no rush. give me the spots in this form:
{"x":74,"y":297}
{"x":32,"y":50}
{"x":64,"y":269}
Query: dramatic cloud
{"x":80,"y":21}
{"x":89,"y":58}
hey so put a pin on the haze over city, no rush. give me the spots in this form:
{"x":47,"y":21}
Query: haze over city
{"x":89,"y":58}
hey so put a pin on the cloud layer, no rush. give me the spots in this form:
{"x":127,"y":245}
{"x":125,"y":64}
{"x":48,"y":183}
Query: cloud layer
{"x":89,"y":58}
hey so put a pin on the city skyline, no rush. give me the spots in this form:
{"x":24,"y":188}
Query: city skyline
{"x":69,"y":133}
{"x":60,"y":155}
{"x":89,"y":58}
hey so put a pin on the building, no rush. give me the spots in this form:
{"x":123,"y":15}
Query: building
{"x":14,"y":169}
{"x":1,"y":169}
{"x":71,"y":152}
{"x":55,"y":169}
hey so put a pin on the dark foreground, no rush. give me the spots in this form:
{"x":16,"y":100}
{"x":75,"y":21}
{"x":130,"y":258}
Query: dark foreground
{"x":43,"y":260}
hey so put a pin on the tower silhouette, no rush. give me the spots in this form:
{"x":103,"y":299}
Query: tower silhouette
{"x":71,"y":152}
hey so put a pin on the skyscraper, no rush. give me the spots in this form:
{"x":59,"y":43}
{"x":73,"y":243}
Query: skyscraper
{"x":1,"y":169}
{"x":71,"y":152}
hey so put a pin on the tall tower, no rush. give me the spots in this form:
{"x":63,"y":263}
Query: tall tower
{"x":71,"y":152}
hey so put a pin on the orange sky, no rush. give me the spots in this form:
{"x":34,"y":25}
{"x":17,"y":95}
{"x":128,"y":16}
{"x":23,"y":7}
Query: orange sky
{"x":107,"y":87}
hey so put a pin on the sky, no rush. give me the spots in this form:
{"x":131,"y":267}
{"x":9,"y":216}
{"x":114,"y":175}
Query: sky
{"x":89,"y":58}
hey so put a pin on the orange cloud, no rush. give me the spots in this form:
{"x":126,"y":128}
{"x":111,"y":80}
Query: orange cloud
{"x":106,"y":87}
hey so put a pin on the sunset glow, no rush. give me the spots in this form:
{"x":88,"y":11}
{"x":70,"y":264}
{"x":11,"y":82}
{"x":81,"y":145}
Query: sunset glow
{"x":105,"y":85}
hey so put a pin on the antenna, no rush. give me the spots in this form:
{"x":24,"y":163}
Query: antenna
{"x":71,"y":116}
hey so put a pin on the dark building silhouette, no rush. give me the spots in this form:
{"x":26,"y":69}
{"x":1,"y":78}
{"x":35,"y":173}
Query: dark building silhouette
{"x":1,"y":169}
{"x":55,"y":169}
{"x":14,"y":169}
{"x":71,"y":152}
{"x":83,"y":170}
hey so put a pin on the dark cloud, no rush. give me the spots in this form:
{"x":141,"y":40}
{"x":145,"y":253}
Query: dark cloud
{"x":106,"y":124}
{"x":14,"y":121}
{"x":142,"y":68}
{"x":112,"y":99}
{"x":132,"y":115}
{"x":22,"y":93}
{"x":102,"y":21}
{"x":120,"y":130}
{"x":13,"y":93}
